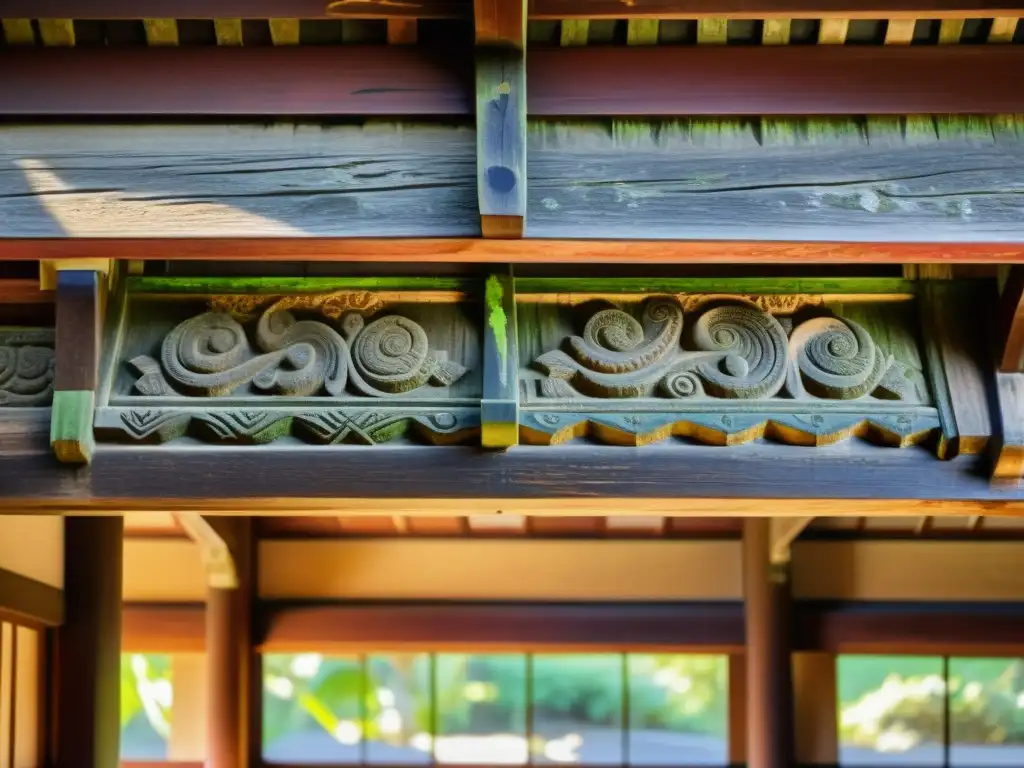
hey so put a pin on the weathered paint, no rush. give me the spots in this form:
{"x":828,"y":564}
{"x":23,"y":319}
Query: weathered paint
{"x":497,"y":322}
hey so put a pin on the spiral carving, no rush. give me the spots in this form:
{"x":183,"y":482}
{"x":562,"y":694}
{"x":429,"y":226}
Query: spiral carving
{"x":753,"y":352}
{"x":316,"y":354}
{"x":26,"y":375}
{"x":211,"y":355}
{"x":614,"y":342}
{"x":836,"y":358}
{"x":391,"y":354}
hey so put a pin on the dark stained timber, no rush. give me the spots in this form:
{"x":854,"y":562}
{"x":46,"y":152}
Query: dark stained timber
{"x":539,"y":9}
{"x":565,"y":82}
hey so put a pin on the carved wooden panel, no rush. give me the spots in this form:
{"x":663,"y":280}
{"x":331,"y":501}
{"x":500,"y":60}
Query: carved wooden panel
{"x":342,"y":366}
{"x":26,"y":367}
{"x":723,"y":369}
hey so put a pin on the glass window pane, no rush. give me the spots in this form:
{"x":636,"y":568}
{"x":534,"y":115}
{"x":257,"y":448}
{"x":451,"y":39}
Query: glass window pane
{"x":891,"y":710}
{"x":986,"y":709}
{"x":577,"y":709}
{"x":678,"y":710}
{"x":147,"y":695}
{"x":481,"y":709}
{"x":400,"y":713}
{"x":311,"y":708}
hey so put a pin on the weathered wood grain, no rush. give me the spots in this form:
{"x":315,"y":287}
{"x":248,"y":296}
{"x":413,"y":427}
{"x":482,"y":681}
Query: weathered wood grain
{"x":955,"y":337}
{"x":501,"y":141}
{"x":826,"y":181}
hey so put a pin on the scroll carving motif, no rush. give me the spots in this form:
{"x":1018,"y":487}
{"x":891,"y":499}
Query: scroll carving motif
{"x":26,"y":368}
{"x":732,"y":350}
{"x":211,"y":354}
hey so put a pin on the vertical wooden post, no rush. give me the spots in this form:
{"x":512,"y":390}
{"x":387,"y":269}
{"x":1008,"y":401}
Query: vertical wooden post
{"x":229,"y":652}
{"x":499,"y":407}
{"x":501,"y":116}
{"x":766,"y":589}
{"x":76,"y":364}
{"x":89,"y":644}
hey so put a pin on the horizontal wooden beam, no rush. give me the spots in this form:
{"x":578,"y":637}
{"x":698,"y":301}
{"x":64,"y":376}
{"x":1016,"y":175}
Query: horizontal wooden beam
{"x":163,"y":628}
{"x":571,"y":81}
{"x":535,"y":251}
{"x":910,"y":628}
{"x":30,"y":601}
{"x":522,"y":626}
{"x":538,"y":9}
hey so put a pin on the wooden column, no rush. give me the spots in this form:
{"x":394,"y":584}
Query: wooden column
{"x":229,"y":652}
{"x":88,"y":686}
{"x":770,"y":740}
{"x":501,"y":116}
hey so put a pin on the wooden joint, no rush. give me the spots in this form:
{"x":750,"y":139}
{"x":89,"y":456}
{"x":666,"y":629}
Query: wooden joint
{"x":1011,"y":322}
{"x":215,"y":548}
{"x":783,"y":531}
{"x":499,"y":407}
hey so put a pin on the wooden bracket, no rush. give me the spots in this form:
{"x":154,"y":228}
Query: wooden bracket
{"x":215,"y":545}
{"x":499,"y":407}
{"x":782,"y":533}
{"x":50,"y":268}
{"x":79,"y":322}
{"x":1010,"y":330}
{"x":501,"y":116}
{"x":1008,"y":453}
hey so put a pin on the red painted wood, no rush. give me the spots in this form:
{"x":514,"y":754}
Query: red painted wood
{"x":539,"y":9}
{"x":573,"y":82}
{"x":201,"y":82}
{"x":236,"y":9}
{"x":529,"y":251}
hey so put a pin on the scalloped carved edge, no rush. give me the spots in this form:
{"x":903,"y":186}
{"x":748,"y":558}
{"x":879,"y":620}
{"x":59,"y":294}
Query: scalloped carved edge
{"x":27,"y":357}
{"x":897,"y":430}
{"x":261,"y":426}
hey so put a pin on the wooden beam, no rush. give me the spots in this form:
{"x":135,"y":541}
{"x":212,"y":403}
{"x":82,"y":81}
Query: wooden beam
{"x":539,"y":9}
{"x":30,"y":601}
{"x":214,"y":548}
{"x":230,"y":652}
{"x":567,"y":81}
{"x":79,"y":322}
{"x":533,"y":250}
{"x":501,"y":116}
{"x":770,"y":742}
{"x":518,"y":626}
{"x":89,"y":644}
{"x":1010,"y":323}
{"x":499,"y":407}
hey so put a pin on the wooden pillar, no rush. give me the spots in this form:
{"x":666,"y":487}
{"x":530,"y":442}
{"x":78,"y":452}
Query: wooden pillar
{"x":770,"y":740}
{"x":89,"y":644}
{"x":229,"y":653}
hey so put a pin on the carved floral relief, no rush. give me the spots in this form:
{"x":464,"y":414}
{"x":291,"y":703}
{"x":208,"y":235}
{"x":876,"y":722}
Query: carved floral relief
{"x":26,"y":368}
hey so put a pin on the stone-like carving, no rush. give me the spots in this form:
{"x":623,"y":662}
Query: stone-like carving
{"x":211,"y":355}
{"x":26,"y":368}
{"x":731,"y":350}
{"x":259,"y":426}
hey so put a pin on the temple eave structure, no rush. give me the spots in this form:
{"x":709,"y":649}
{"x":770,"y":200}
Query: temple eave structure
{"x":511,"y":382}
